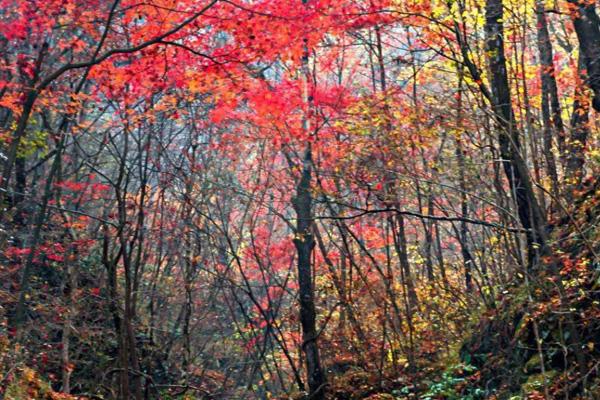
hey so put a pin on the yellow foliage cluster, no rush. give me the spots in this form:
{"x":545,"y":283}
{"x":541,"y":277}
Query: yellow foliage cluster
{"x":27,"y":384}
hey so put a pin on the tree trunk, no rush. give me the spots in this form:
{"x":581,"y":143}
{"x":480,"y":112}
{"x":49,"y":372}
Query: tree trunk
{"x":468,"y":261}
{"x":587,"y":27}
{"x":551,"y":118}
{"x":530,"y":214}
{"x":575,"y":157}
{"x":36,"y":237}
{"x":305,"y":243}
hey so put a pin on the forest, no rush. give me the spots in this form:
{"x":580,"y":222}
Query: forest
{"x":299,"y":199}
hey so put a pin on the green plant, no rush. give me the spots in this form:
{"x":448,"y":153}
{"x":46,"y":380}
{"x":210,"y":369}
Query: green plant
{"x":453,"y":385}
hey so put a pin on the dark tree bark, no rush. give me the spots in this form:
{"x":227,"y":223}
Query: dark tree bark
{"x":551,"y":118}
{"x":36,"y":237}
{"x":462,"y":232}
{"x":530,"y":213}
{"x":20,"y":188}
{"x":575,"y":157}
{"x":587,"y":27}
{"x":11,"y":155}
{"x":305,"y":243}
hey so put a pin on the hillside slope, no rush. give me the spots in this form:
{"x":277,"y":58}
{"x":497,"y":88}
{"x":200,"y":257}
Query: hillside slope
{"x":543,"y":338}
